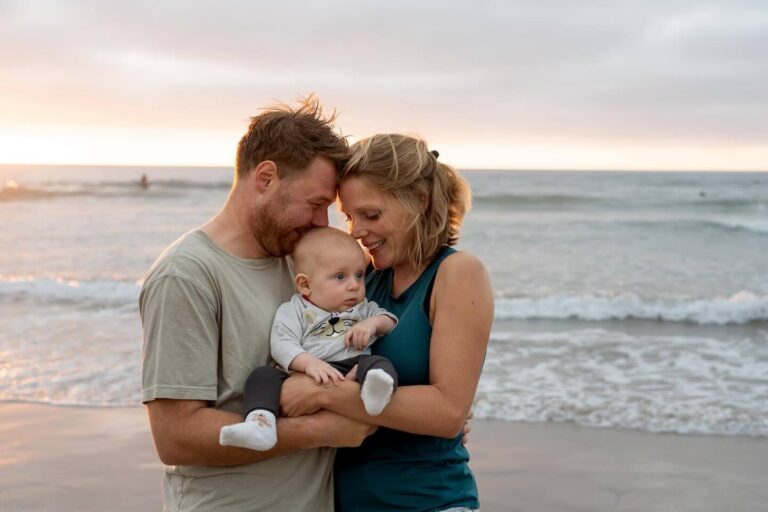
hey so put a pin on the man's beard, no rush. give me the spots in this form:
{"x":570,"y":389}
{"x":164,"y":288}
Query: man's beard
{"x":269,"y":230}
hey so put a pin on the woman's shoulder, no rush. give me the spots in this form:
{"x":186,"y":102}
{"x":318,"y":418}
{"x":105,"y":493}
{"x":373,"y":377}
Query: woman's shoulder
{"x":460,"y":262}
{"x":458,"y":270}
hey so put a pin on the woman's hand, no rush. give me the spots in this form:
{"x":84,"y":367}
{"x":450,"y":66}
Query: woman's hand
{"x":466,"y":429}
{"x":300,"y":395}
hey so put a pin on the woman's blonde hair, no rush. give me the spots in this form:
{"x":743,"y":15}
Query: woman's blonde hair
{"x":432,"y":193}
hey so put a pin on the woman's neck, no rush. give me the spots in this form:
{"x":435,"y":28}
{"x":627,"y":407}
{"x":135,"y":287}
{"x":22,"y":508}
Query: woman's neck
{"x":403,"y":276}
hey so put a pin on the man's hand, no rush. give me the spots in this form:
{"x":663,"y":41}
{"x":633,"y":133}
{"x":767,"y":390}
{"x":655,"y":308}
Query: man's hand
{"x":300,"y":395}
{"x":341,"y":432}
{"x":360,"y":334}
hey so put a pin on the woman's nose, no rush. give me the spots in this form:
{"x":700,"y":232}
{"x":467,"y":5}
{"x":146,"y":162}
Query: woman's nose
{"x":356,"y":230}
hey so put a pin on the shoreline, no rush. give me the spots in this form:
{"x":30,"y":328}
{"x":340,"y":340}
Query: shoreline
{"x":79,"y":458}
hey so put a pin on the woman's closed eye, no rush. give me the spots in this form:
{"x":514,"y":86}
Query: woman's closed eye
{"x":372,"y":215}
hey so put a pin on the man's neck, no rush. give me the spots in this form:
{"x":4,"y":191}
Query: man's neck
{"x":229,"y":229}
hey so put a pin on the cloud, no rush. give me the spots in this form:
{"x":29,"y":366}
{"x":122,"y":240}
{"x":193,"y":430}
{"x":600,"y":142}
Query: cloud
{"x":491,"y":71}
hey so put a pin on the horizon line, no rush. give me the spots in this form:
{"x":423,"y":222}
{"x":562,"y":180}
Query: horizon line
{"x":486,"y":169}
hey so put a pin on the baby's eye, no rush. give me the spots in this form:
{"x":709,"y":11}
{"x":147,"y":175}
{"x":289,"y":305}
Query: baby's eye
{"x":339,"y":277}
{"x":359,"y":275}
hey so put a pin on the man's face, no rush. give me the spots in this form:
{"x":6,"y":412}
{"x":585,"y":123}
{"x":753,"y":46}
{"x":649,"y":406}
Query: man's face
{"x":296,"y":206}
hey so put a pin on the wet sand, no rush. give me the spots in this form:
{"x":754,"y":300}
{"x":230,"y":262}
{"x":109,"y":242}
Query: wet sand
{"x":82,"y":459}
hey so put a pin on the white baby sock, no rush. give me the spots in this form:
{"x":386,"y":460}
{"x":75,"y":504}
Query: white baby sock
{"x":377,"y":391}
{"x":257,"y":432}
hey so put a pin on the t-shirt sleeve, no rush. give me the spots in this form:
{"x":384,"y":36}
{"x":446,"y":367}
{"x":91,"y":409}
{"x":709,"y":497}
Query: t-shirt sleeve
{"x":287,"y":331}
{"x":181,"y":340}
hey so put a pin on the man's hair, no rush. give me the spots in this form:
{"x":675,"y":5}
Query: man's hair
{"x":292,"y":138}
{"x":434,"y":196}
{"x":315,"y":241}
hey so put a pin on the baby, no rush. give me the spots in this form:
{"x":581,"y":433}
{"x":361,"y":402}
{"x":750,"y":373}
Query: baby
{"x":323,"y":331}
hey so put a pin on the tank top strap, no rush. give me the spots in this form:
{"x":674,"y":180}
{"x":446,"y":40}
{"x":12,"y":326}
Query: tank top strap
{"x":422,"y":287}
{"x":379,"y":283}
{"x":427,"y":278}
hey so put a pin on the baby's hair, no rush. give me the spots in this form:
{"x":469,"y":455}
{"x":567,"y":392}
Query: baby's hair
{"x":315,"y":241}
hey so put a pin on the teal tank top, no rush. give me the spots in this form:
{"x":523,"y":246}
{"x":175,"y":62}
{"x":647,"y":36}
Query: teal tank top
{"x":394,"y":470}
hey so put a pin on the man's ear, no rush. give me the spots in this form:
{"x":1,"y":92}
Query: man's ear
{"x":302,"y":284}
{"x":265,"y":175}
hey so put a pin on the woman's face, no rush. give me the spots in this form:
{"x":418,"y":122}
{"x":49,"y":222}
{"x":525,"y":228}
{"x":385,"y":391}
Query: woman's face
{"x":376,"y":218}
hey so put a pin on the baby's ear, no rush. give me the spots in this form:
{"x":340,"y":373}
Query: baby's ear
{"x":302,"y":284}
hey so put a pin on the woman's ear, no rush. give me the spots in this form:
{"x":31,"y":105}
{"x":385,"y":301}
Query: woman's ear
{"x":302,"y":284}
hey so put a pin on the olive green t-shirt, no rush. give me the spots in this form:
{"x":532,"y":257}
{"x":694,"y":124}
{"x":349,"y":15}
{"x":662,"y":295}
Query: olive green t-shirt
{"x":206,"y":317}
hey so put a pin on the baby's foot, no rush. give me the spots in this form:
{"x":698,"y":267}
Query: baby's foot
{"x":257,"y":432}
{"x":377,"y":391}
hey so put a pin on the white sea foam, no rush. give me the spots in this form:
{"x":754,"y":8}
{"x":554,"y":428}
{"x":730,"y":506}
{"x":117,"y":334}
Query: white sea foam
{"x":753,"y":225}
{"x":739,"y":308}
{"x":606,"y":378}
{"x":63,"y":353}
{"x":103,"y":291}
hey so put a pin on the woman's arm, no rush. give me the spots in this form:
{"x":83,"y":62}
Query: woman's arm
{"x":461,"y":309}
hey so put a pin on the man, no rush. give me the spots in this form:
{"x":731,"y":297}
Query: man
{"x":207,"y":305}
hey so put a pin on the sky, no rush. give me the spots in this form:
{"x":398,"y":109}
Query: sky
{"x":545,"y":84}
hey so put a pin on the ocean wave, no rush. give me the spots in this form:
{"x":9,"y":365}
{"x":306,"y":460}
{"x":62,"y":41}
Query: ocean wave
{"x":740,"y":308}
{"x":735,"y":204}
{"x":539,"y":201}
{"x":753,"y":225}
{"x":640,"y":202}
{"x":18,"y":193}
{"x":688,"y":384}
{"x":57,"y":289}
{"x":106,"y":189}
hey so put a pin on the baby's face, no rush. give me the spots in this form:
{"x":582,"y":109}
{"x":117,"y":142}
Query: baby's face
{"x":337,"y":278}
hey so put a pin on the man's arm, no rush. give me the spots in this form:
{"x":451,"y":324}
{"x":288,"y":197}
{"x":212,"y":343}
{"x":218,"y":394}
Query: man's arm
{"x":187,"y":432}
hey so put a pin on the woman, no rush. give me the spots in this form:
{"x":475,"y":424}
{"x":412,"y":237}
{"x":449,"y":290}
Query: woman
{"x":406,"y":207}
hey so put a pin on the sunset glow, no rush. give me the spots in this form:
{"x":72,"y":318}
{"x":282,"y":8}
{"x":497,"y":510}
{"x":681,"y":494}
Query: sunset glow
{"x":638,"y":88}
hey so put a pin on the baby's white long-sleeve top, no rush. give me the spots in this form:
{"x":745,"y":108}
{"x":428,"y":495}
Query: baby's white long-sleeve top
{"x":300,"y":326}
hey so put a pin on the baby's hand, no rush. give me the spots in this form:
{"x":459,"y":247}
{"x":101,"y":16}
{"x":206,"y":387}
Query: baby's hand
{"x":360,"y":334}
{"x":323,"y":373}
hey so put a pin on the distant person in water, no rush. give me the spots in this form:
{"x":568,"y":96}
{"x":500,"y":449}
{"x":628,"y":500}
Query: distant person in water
{"x":144,"y":183}
{"x":324,"y":331}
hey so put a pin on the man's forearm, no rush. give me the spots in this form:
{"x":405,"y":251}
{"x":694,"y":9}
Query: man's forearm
{"x":190,"y":436}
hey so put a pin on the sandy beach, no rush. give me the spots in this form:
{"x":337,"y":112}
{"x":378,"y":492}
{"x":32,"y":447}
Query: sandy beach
{"x":82,"y":459}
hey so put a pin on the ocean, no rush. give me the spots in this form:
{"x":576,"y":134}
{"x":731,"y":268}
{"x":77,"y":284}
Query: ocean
{"x":623,"y":299}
